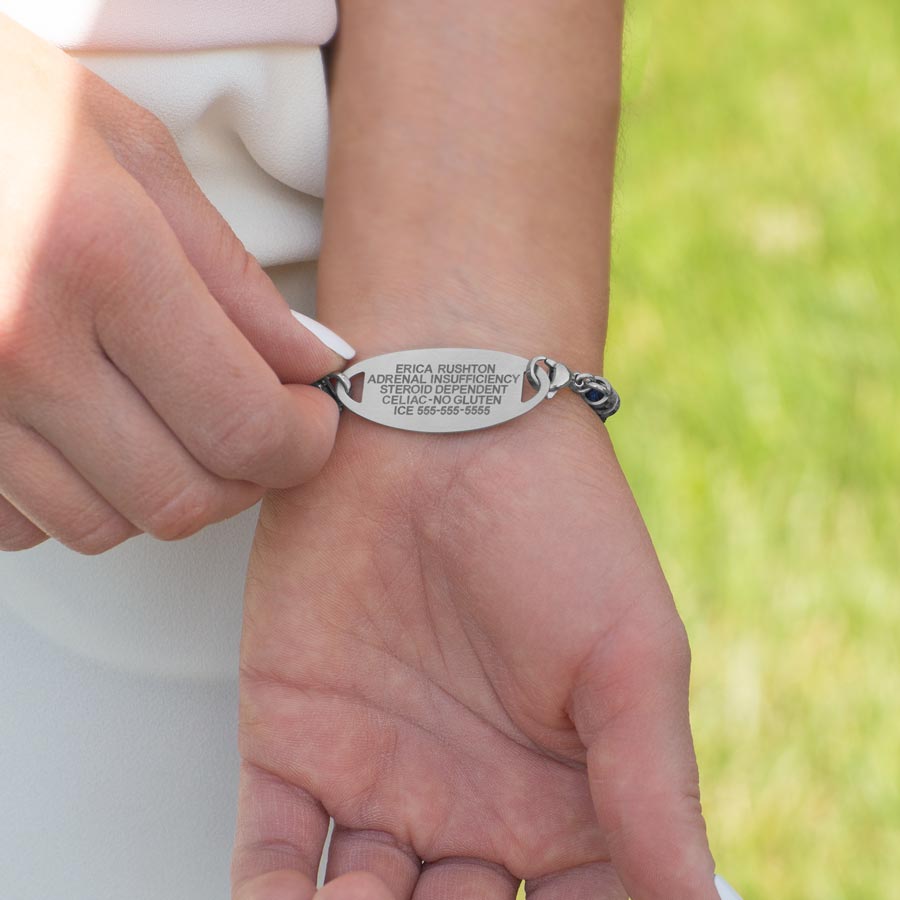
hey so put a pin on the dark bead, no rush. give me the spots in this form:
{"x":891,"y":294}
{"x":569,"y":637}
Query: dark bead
{"x":593,"y":395}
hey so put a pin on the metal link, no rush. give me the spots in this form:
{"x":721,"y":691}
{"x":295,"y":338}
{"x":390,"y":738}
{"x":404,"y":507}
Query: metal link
{"x":598,"y":393}
{"x":327,"y":384}
{"x":531,"y":371}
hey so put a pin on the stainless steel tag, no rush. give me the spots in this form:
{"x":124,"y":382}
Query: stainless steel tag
{"x":442,"y":389}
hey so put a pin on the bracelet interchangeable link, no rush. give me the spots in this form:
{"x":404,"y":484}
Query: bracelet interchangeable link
{"x":449,"y":389}
{"x":597,"y":392}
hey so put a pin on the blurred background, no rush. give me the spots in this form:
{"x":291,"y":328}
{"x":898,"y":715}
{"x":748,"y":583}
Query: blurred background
{"x":754,"y":333}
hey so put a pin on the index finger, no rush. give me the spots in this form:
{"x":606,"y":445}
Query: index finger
{"x":161,"y":327}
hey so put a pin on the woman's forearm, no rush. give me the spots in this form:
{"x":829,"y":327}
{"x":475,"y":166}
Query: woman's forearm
{"x":470,"y":175}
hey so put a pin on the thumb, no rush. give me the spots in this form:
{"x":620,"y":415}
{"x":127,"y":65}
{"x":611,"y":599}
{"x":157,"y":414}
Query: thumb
{"x":298,"y":349}
{"x":630,"y":708}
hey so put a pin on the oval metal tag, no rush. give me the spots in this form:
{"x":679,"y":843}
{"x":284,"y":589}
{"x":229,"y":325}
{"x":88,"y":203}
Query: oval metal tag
{"x":442,"y":389}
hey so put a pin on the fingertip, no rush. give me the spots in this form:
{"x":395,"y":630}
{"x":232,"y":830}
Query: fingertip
{"x":26,"y":539}
{"x":279,"y":885}
{"x":355,"y":886}
{"x":16,"y":532}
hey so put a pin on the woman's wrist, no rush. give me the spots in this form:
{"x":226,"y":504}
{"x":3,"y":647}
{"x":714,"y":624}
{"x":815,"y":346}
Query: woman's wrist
{"x":375,"y":335}
{"x":470,"y":177}
{"x":400,"y":319}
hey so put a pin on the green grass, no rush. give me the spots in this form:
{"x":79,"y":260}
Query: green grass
{"x":754,"y":338}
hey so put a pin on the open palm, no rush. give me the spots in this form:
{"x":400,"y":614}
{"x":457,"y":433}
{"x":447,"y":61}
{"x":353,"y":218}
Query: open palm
{"x":461,"y":647}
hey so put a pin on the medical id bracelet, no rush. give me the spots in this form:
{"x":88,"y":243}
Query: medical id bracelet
{"x":447,"y":389}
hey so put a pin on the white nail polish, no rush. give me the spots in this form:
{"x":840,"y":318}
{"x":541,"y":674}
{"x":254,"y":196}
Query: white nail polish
{"x":325,"y":335}
{"x":726,"y":891}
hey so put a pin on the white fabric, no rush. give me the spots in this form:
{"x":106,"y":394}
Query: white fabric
{"x":118,"y":673}
{"x":251,"y":124}
{"x":175,"y":24}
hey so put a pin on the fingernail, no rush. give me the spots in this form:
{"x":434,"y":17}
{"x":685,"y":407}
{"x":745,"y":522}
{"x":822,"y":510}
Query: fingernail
{"x":726,"y":891}
{"x":325,"y":335}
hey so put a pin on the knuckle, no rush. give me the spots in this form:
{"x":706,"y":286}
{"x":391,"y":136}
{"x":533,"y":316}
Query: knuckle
{"x":149,"y":145}
{"x":183,"y":513}
{"x":665,"y":646}
{"x":42,"y":313}
{"x":81,"y":255}
{"x":649,"y":635}
{"x":152,"y":128}
{"x":247,"y":442}
{"x":97,"y":536}
{"x":78,"y":238}
{"x":235,"y":268}
{"x":647,"y":657}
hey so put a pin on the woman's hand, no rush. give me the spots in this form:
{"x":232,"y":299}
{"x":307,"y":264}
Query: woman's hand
{"x":462,"y":648}
{"x":151,"y":376}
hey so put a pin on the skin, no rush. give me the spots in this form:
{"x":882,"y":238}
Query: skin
{"x":151,"y":376}
{"x":462,"y":647}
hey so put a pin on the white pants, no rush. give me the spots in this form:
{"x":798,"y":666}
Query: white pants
{"x":118,"y":674}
